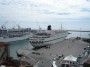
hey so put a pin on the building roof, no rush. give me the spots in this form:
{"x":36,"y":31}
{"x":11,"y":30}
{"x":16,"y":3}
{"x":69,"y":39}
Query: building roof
{"x":3,"y":44}
{"x":70,"y":58}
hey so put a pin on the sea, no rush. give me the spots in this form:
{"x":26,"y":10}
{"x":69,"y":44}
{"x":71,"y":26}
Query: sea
{"x":25,"y":44}
{"x":14,"y":46}
{"x":79,"y":34}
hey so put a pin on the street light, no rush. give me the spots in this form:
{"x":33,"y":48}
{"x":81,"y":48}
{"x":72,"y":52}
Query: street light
{"x":80,"y":32}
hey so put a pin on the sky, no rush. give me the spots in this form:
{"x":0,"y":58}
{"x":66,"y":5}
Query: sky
{"x":72,"y":14}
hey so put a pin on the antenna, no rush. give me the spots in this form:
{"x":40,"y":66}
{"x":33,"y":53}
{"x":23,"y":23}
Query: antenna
{"x":80,"y":32}
{"x":38,"y":26}
{"x":3,"y":25}
{"x":18,"y":26}
{"x":61,"y":27}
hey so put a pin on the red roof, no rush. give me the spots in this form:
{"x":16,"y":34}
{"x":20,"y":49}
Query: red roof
{"x":3,"y":44}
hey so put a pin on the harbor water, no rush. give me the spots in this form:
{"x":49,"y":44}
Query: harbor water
{"x":79,"y":34}
{"x":14,"y":46}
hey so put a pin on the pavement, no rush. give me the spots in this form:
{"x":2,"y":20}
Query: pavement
{"x":44,"y":57}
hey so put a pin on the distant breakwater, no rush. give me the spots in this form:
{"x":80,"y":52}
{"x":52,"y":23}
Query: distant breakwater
{"x":79,"y":30}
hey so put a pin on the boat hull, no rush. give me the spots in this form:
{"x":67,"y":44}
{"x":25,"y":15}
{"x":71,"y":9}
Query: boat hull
{"x":51,"y":40}
{"x":15,"y":38}
{"x":48,"y":43}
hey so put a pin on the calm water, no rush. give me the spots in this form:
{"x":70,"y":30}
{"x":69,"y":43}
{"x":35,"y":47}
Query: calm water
{"x":79,"y":34}
{"x":14,"y":46}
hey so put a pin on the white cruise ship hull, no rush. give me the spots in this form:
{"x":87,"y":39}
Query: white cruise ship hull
{"x":49,"y":41}
{"x":14,"y":38}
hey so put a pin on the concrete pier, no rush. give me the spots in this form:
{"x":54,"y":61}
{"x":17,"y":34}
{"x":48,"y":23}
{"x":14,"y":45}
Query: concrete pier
{"x":44,"y":56}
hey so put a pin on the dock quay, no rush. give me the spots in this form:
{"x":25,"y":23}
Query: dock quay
{"x":44,"y":57}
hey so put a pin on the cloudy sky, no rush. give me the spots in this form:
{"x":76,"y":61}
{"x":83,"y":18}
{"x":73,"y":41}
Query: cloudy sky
{"x":72,"y":14}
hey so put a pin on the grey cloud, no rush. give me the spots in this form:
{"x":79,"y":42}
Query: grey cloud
{"x":63,"y":13}
{"x":84,"y":9}
{"x":22,"y":3}
{"x":5,"y":2}
{"x":48,"y":12}
{"x":88,"y":0}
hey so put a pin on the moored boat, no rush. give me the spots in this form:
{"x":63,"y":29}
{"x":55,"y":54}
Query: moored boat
{"x":47,"y":37}
{"x":9,"y":35}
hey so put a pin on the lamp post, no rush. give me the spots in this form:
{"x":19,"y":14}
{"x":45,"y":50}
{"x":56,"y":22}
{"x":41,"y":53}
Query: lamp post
{"x":89,"y":36}
{"x":80,"y":32}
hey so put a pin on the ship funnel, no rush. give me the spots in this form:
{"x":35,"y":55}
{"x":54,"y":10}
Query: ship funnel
{"x":49,"y":27}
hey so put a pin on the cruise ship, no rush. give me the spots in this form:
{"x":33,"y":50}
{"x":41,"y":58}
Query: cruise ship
{"x":47,"y":37}
{"x":10,"y":35}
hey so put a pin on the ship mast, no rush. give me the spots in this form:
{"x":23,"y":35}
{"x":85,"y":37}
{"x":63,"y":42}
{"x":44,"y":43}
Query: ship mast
{"x":61,"y":26}
{"x":3,"y":27}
